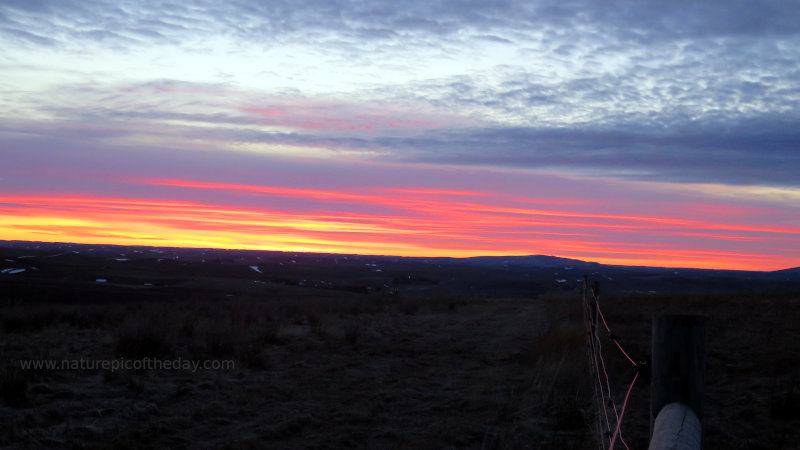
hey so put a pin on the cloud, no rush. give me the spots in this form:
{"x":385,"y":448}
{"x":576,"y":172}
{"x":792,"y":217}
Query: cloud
{"x":753,"y":153}
{"x":755,"y":148}
{"x":27,"y":36}
{"x":384,"y":20}
{"x":747,"y":155}
{"x":672,"y":91}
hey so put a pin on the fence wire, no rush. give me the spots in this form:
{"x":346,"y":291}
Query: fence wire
{"x":609,"y":426}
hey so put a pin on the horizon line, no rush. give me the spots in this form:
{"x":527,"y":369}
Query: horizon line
{"x":2,"y":241}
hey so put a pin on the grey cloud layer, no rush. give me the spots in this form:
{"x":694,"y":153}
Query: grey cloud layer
{"x":632,"y":21}
{"x":671,"y":90}
{"x":758,"y":151}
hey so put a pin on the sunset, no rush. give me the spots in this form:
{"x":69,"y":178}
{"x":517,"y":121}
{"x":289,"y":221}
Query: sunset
{"x":387,"y":224}
{"x":505,"y":130}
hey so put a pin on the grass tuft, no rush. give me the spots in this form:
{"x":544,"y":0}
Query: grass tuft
{"x":14,"y":387}
{"x":352,"y":335}
{"x":142,"y":339}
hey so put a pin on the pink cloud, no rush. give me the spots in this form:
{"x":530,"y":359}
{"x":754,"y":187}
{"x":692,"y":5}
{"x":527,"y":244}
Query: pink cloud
{"x":333,"y":117}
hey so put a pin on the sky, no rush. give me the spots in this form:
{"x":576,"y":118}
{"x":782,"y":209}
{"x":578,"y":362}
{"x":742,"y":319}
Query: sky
{"x":623,"y":132}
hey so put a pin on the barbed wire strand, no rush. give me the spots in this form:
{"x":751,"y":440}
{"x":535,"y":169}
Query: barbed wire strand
{"x":617,"y":414}
{"x":591,"y":346}
{"x":611,"y":402}
{"x":617,"y":432}
{"x":611,"y":335}
{"x":599,"y":369}
{"x":598,"y":365}
{"x":605,"y":404}
{"x":603,"y":401}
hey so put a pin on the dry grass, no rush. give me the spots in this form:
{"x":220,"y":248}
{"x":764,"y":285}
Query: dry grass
{"x":379,"y":372}
{"x":14,"y":387}
{"x":310,"y":373}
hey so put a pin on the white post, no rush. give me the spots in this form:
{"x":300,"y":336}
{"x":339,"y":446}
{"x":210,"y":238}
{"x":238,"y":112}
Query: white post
{"x":677,"y":427}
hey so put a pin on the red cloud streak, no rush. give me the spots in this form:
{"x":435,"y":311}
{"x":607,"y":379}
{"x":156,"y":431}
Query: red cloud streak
{"x":411,"y":222}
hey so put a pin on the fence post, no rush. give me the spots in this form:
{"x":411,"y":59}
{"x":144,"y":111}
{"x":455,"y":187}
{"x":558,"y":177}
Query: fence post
{"x":590,"y":313}
{"x":678,"y":365}
{"x":595,"y":317}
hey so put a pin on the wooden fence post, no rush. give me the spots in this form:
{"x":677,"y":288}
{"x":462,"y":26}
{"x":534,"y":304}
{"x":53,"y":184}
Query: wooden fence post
{"x":591,"y":312}
{"x":678,"y":365}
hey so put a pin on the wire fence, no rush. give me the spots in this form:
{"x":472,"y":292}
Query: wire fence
{"x":610,"y":417}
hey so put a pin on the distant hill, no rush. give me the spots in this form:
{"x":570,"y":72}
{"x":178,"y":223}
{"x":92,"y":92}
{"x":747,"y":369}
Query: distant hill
{"x":787,"y":274}
{"x":531,"y":261}
{"x":58,"y":268}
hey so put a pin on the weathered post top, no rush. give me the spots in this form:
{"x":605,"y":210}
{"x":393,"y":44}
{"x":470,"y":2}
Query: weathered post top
{"x":676,"y":428}
{"x":678,"y":362}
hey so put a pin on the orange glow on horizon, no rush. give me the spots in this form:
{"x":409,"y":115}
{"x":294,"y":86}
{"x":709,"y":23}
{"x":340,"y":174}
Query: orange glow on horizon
{"x":426,"y":223}
{"x":422,"y":203}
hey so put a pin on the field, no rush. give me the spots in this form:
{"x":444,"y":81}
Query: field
{"x":414,"y":365}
